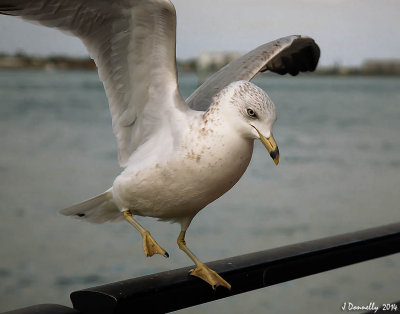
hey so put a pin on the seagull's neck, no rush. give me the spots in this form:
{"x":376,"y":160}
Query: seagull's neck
{"x":212,"y":127}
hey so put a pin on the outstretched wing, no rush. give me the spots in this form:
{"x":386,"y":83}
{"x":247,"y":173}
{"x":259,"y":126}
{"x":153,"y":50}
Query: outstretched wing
{"x":291,"y":55}
{"x":133,"y":45}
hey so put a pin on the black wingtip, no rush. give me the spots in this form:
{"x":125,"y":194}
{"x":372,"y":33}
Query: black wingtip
{"x":7,"y":9}
{"x":302,"y":55}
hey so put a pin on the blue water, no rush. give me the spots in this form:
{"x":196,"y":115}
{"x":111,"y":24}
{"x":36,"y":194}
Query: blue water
{"x":339,"y":140}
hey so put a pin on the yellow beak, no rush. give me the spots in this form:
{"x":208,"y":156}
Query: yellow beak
{"x":271,"y":146}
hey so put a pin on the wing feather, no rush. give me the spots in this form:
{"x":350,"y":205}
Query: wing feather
{"x":292,"y":54}
{"x":133,"y":45}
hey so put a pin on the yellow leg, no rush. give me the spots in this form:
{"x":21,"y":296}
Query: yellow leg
{"x":150,"y":246}
{"x":202,"y":271}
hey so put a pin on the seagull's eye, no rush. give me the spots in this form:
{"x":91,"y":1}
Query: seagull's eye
{"x":251,"y":113}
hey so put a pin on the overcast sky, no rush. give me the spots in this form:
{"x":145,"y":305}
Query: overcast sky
{"x":348,"y":31}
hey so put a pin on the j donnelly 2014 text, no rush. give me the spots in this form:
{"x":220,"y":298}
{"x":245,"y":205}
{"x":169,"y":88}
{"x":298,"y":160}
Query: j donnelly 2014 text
{"x":349,"y":306}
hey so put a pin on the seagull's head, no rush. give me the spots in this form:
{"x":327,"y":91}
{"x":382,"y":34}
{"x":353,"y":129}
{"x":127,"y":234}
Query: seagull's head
{"x":253,"y":114}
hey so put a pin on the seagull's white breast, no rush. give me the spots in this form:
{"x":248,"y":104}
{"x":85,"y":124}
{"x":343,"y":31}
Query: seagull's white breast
{"x":210,"y":159}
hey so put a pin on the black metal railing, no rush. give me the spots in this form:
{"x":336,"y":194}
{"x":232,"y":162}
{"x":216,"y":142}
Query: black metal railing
{"x":176,"y":290}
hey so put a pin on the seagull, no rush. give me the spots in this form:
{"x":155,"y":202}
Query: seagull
{"x":177,"y":155}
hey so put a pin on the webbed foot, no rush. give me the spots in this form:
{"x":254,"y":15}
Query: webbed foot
{"x":209,"y":276}
{"x":151,"y":247}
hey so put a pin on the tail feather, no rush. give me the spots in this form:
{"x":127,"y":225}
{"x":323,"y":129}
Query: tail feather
{"x":99,"y":209}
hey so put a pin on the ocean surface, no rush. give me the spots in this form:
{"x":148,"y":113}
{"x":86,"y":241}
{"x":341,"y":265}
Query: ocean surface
{"x":339,"y":139}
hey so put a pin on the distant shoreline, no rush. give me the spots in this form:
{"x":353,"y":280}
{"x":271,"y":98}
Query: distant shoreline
{"x":198,"y":66}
